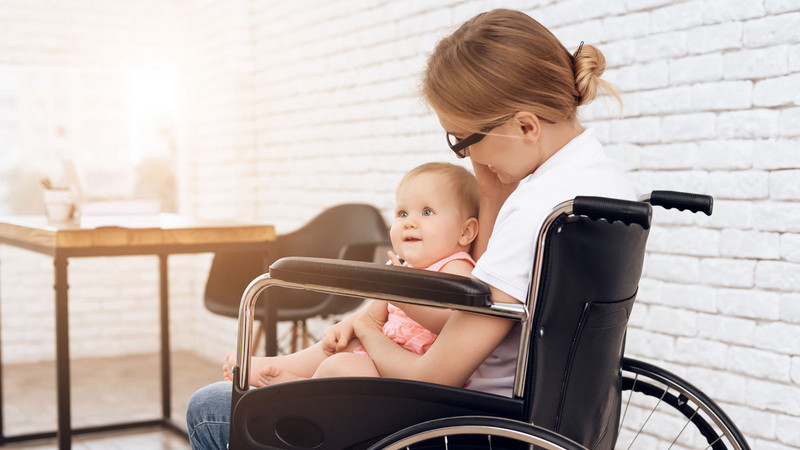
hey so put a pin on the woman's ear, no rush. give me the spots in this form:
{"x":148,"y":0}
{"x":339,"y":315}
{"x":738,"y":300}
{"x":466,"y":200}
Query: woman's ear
{"x":469,"y":232}
{"x":529,"y":125}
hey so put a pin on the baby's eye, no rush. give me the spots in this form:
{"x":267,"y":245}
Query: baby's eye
{"x":402,"y":214}
{"x":427,"y":212}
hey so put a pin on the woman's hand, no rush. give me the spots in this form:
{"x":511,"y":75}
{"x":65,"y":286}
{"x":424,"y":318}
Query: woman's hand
{"x":492,"y":189}
{"x":493,"y":194}
{"x":371,"y":319}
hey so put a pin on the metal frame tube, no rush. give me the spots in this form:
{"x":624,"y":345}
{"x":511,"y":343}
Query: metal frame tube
{"x":520,"y":312}
{"x":258,"y":285}
{"x":533,"y":292}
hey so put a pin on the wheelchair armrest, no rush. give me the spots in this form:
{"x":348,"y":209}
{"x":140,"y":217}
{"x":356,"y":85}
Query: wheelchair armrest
{"x":365,"y":280}
{"x":382,"y":281}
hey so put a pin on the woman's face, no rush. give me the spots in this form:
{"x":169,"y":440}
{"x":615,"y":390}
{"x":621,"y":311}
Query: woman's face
{"x":503,"y":150}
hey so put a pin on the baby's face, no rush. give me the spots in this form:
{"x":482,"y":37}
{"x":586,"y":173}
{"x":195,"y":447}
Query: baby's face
{"x":428,"y":220}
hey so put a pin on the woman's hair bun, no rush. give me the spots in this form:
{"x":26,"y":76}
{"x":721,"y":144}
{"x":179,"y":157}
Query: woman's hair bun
{"x":588,"y":64}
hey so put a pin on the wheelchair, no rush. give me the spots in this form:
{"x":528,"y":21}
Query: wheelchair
{"x":573,"y":387}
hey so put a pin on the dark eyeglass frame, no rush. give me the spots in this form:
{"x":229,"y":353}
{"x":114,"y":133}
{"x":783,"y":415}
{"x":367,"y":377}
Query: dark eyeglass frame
{"x":460,"y":147}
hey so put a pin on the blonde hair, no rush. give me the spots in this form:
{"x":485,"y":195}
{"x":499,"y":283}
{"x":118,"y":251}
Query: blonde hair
{"x":462,"y":180}
{"x":503,"y":61}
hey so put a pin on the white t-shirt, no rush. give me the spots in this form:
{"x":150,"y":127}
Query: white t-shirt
{"x":579,"y":168}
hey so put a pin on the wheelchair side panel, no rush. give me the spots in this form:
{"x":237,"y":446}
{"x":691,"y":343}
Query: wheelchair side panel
{"x":597,"y":351}
{"x":350,"y":413}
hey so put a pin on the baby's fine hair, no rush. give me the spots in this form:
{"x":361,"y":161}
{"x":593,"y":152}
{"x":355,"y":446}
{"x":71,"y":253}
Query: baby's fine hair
{"x":464,"y":183}
{"x":503,"y":61}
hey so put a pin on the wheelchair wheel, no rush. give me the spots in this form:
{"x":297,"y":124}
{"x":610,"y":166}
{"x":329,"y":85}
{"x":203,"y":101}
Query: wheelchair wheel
{"x":475,"y":432}
{"x":661,"y":410}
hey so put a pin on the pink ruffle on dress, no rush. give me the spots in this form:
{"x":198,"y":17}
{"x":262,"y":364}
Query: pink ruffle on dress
{"x":405,"y":331}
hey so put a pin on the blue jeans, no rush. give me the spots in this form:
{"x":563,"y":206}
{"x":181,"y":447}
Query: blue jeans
{"x":208,"y":416}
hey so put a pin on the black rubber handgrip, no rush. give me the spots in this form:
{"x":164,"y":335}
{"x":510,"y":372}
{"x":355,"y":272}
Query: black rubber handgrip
{"x":683,"y":200}
{"x":612,"y":209}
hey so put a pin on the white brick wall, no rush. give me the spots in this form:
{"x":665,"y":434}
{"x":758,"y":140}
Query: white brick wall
{"x":64,"y":68}
{"x":295,"y":106}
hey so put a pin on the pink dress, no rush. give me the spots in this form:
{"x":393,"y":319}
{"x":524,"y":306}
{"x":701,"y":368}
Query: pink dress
{"x":404,"y":330}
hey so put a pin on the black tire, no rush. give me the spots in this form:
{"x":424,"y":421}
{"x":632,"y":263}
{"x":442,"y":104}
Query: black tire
{"x":475,"y":432}
{"x":661,"y":409}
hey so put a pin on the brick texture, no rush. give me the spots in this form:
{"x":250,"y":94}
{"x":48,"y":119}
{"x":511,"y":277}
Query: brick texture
{"x":291,"y":107}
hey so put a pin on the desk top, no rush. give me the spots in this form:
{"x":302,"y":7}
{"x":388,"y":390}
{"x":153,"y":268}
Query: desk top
{"x":161,"y":230}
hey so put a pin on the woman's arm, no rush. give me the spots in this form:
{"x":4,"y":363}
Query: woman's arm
{"x":466,"y":340}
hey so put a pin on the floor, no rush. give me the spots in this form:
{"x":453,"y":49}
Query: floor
{"x":104,"y":390}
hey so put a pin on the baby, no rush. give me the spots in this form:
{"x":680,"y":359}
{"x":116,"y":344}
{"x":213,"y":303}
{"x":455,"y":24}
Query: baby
{"x":434,"y":225}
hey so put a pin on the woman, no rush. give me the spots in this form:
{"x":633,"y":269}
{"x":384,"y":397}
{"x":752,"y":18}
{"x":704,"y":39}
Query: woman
{"x":506,"y":92}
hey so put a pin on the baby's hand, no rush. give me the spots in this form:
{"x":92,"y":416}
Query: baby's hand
{"x":335,"y":338}
{"x":394,"y":258}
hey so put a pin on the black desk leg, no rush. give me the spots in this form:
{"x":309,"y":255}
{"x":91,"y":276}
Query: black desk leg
{"x":62,"y":355}
{"x":166,"y":399}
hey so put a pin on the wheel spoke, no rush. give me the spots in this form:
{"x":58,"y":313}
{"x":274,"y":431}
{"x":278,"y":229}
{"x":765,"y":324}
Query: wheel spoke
{"x":686,"y":424}
{"x":648,"y":418}
{"x":627,"y":403}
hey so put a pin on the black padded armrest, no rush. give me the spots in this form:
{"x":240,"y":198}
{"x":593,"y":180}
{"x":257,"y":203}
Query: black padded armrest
{"x":384,"y":279}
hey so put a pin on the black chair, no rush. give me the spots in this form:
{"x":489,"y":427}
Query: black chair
{"x":569,"y":378}
{"x":349,"y":231}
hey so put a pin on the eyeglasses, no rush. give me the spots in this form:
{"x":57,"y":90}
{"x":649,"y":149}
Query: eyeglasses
{"x":459,"y":146}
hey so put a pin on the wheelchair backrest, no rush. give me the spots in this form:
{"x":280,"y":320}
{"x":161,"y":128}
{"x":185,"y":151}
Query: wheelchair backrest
{"x":588,"y":273}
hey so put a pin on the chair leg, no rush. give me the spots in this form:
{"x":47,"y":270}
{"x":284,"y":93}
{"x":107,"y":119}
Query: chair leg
{"x":270,"y":325}
{"x":305,"y":334}
{"x":257,"y":338}
{"x":299,"y":336}
{"x":294,"y":336}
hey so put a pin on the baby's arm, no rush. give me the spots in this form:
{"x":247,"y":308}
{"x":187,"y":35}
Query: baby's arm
{"x":431,"y":318}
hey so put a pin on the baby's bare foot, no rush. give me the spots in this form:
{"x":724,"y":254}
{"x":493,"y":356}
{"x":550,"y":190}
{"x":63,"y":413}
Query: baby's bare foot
{"x":257,"y":364}
{"x":271,"y":375}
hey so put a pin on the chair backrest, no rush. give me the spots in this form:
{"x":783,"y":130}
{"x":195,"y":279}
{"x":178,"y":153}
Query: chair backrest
{"x":334,"y":233}
{"x":589,"y":272}
{"x":338,"y":232}
{"x":228,"y":277}
{"x":325,"y":235}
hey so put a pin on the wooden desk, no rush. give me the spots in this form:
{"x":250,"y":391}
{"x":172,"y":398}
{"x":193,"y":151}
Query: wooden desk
{"x":159,"y":235}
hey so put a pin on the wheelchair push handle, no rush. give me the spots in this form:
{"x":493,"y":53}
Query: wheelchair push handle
{"x":612,"y":209}
{"x":682,"y":200}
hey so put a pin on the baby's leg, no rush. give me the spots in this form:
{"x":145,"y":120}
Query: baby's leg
{"x":338,"y":365}
{"x":275,"y":375}
{"x":343,"y":364}
{"x":347,"y":365}
{"x":303,"y":363}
